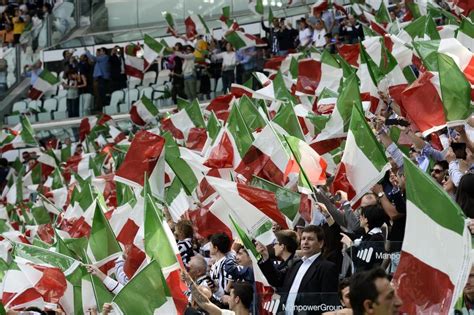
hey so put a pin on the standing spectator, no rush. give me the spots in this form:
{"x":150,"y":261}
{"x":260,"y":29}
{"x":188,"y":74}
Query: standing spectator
{"x":84,"y":68}
{"x":177,"y":81}
{"x":247,"y":61}
{"x":229,"y":62}
{"x":365,"y":251}
{"x":18,"y":26}
{"x":465,"y":194}
{"x":189,"y":73}
{"x":202,"y":68}
{"x":215,"y":68}
{"x":329,"y":20}
{"x":117,"y":70}
{"x":184,"y":233}
{"x":285,"y":38}
{"x":319,"y":32}
{"x":309,"y":281}
{"x":34,"y":71}
{"x":371,"y":292}
{"x":72,"y":84}
{"x":101,"y":76}
{"x":304,"y":35}
{"x":272,"y":35}
{"x":224,"y":270}
{"x":351,"y":30}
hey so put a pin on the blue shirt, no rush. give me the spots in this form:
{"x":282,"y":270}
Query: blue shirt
{"x":246,"y":57}
{"x":102,"y":67}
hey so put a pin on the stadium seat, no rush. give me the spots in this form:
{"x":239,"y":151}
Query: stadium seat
{"x":20,"y":107}
{"x":148,"y":92}
{"x":13,"y":120}
{"x":49,"y":106}
{"x":61,"y":113}
{"x":131,"y":96}
{"x":115,"y":99}
{"x":85,"y":103}
{"x":149,"y":78}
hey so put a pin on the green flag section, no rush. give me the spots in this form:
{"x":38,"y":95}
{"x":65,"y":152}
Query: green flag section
{"x":239,"y":130}
{"x":45,"y":82}
{"x":253,"y":118}
{"x":288,"y":201}
{"x":465,"y":33}
{"x":286,"y":118}
{"x":422,"y":28}
{"x":149,"y":292}
{"x":431,"y":212}
{"x":245,"y":239}
{"x":103,"y":247}
{"x":363,"y":163}
{"x":213,"y":126}
{"x":455,"y":91}
{"x":256,"y":6}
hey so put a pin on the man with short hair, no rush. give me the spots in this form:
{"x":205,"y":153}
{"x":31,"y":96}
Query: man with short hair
{"x":225,"y":267}
{"x":309,"y":282}
{"x":285,"y":248}
{"x":371,"y":292}
{"x":439,"y":171}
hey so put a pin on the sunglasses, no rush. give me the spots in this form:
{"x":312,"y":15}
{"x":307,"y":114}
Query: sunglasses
{"x":436,"y":171}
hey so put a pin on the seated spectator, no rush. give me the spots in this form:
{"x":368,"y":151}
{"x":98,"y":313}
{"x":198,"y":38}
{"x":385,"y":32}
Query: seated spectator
{"x":344,"y":289}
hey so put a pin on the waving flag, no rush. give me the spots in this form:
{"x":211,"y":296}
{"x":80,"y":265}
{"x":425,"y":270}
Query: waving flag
{"x":45,"y":82}
{"x":431,"y":211}
{"x":134,"y":66}
{"x":256,"y":6}
{"x":195,"y":25}
{"x":152,"y":49}
{"x":143,"y":112}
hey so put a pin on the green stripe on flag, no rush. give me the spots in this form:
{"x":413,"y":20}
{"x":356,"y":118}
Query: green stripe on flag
{"x":226,"y":11}
{"x":249,"y":110}
{"x":294,"y":68}
{"x":203,"y":23}
{"x":102,"y":241}
{"x":366,"y":140}
{"x":245,"y":239}
{"x":349,"y":98}
{"x":148,"y":291}
{"x":40,"y":255}
{"x":280,"y":90}
{"x":27,"y":132}
{"x":169,"y":19}
{"x":286,"y":118}
{"x":85,"y":197}
{"x":288,"y":201}
{"x":467,"y":27}
{"x":427,"y":50}
{"x":239,"y":130}
{"x":213,"y":126}
{"x":49,"y":77}
{"x":195,"y":114}
{"x":372,"y":67}
{"x":235,"y":40}
{"x":430,"y":198}
{"x":455,"y":89}
{"x":150,"y":107}
{"x":328,"y":59}
{"x":409,"y":74}
{"x":152,"y":43}
{"x":417,"y":27}
{"x":157,"y":244}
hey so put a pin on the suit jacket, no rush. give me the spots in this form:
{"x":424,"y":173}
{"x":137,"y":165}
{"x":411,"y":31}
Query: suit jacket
{"x":319,"y":285}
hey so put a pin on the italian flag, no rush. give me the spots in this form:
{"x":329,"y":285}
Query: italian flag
{"x":465,"y":34}
{"x":143,"y":112}
{"x":145,"y":158}
{"x":181,"y":123}
{"x":331,"y":73}
{"x":275,"y":90}
{"x":438,"y":98}
{"x":134,"y":66}
{"x":195,"y":25}
{"x":370,"y":76}
{"x":103,"y":248}
{"x":263,"y":289}
{"x":152,"y":49}
{"x":241,"y":40}
{"x":45,"y":82}
{"x":461,"y":55}
{"x":256,"y":6}
{"x":160,"y":245}
{"x":423,"y":28}
{"x":252,"y":207}
{"x":310,"y":167}
{"x":88,"y":124}
{"x":338,"y":123}
{"x":432,"y":218}
{"x":266,"y":157}
{"x":363,"y":163}
{"x":149,"y":292}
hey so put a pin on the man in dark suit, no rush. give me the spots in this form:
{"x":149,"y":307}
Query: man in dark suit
{"x":310,"y":285}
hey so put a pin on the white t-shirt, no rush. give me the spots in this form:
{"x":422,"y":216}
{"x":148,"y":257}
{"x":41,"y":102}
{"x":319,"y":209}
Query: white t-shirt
{"x":228,"y":60}
{"x":304,"y":36}
{"x":318,"y":38}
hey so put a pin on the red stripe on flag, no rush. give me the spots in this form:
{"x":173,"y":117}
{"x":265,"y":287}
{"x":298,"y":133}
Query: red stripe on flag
{"x":222,"y":155}
{"x":135,"y":258}
{"x":414,"y":281}
{"x":167,"y":125}
{"x":128,"y":232}
{"x":263,"y":200}
{"x":28,"y":295}
{"x":206,"y":223}
{"x":309,"y":75}
{"x":196,"y":139}
{"x":52,"y":285}
{"x":135,"y":117}
{"x":35,"y":94}
{"x":350,"y":52}
{"x":342,"y":183}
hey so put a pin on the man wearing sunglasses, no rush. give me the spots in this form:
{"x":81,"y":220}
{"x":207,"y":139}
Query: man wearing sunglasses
{"x":439,"y":171}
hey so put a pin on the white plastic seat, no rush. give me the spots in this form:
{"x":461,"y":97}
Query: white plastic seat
{"x":163,"y":76}
{"x":131,"y":96}
{"x":19,"y":107}
{"x":85,"y":103}
{"x":115,"y":99}
{"x":61,"y":113}
{"x":149,"y":78}
{"x":50,"y":105}
{"x":62,"y":93}
{"x":133,"y":82}
{"x":148,"y":92}
{"x":45,"y":116}
{"x":13,"y":119}
{"x":34,"y":105}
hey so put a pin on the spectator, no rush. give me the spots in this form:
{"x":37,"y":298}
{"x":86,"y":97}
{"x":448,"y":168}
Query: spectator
{"x":33,"y":71}
{"x":84,"y":68}
{"x":247,"y":63}
{"x":465,"y":194}
{"x":318,"y":39}
{"x":370,"y":292}
{"x":189,"y":73}
{"x":101,"y":76}
{"x":74,"y":82}
{"x":272,"y":35}
{"x":224,"y":270}
{"x":117,"y":70}
{"x":329,"y":20}
{"x":366,"y":251}
{"x":305,"y":34}
{"x":351,"y":30}
{"x":285,"y":249}
{"x":309,"y":281}
{"x":439,"y":171}
{"x":184,"y":233}
{"x":344,"y":289}
{"x":229,"y":62}
{"x":177,"y":81}
{"x":18,"y":26}
{"x":465,"y":304}
{"x":285,"y":37}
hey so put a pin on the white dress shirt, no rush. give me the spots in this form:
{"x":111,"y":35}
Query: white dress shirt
{"x":295,"y":286}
